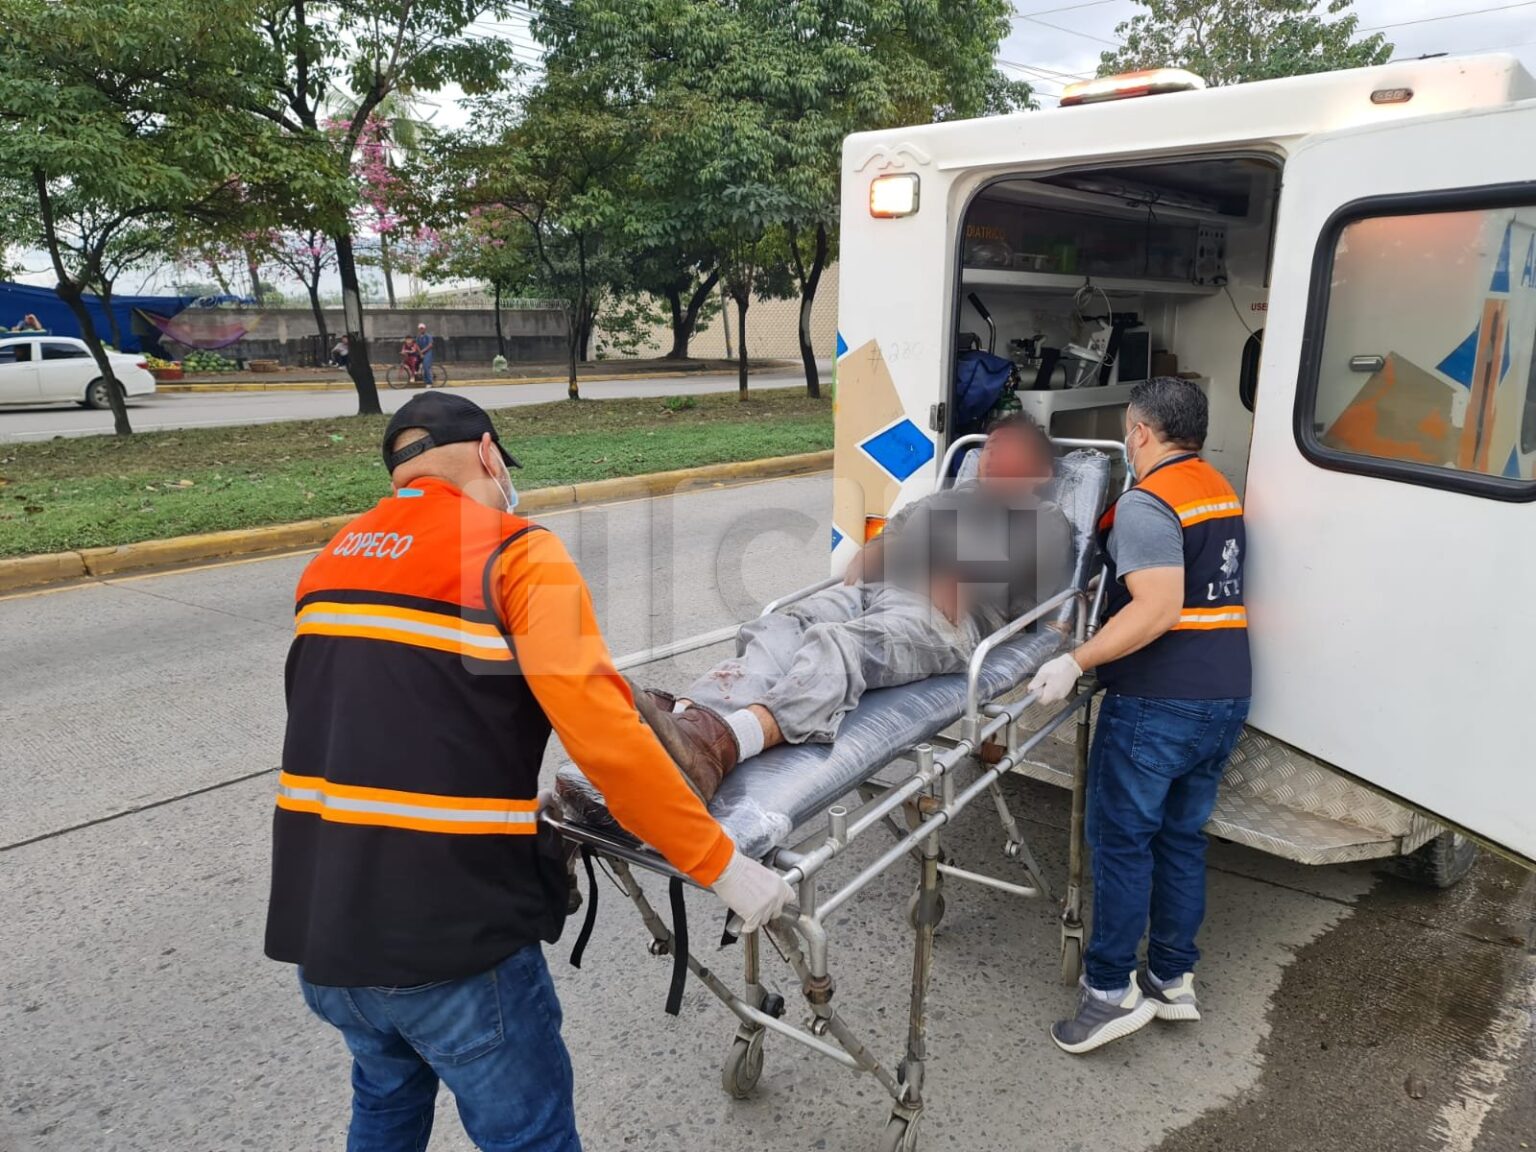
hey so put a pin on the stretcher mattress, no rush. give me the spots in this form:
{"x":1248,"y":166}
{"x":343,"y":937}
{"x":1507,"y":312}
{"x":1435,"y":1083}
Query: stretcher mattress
{"x":766,"y":798}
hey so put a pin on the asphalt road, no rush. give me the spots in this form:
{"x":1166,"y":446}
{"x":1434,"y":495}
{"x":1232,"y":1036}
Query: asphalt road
{"x":219,"y":409}
{"x":139,"y":736}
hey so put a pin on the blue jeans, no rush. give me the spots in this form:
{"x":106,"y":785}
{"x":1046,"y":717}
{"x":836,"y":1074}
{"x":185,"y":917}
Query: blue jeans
{"x":493,"y":1039}
{"x":1152,"y":780}
{"x":426,"y":368}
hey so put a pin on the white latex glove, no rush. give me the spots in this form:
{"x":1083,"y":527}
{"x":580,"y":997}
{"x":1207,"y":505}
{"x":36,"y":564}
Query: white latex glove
{"x":1056,"y":679}
{"x":755,"y":893}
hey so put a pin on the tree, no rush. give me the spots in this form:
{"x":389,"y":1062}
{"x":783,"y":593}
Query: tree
{"x":1236,"y":41}
{"x":757,"y":97}
{"x":369,"y":53}
{"x":110,"y":126}
{"x":479,"y":242}
{"x":543,"y":173}
{"x":304,"y":254}
{"x":395,"y":136}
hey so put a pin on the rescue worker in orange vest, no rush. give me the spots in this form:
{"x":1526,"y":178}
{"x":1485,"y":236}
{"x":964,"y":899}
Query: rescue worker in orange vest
{"x":1173,"y":658}
{"x":439,"y":639}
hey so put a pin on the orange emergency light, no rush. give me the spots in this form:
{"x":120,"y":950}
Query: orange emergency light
{"x":1151,"y":82}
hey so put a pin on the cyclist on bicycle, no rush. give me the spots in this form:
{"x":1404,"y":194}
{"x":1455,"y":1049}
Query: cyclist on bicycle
{"x":410,"y":359}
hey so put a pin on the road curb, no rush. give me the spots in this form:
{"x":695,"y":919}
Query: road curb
{"x":487,"y":382}
{"x":57,"y":567}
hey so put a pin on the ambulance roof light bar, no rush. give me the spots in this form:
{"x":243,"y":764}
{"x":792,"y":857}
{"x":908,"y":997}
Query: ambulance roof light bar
{"x":1152,"y":82}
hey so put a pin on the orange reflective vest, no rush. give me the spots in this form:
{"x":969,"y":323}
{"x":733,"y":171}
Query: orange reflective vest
{"x":437,"y":643}
{"x":1205,"y":655}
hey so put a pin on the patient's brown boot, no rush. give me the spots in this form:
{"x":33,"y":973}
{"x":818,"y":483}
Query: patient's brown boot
{"x":700,"y":743}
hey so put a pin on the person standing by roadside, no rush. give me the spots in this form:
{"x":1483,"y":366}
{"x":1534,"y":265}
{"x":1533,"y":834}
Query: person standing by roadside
{"x":1173,"y":659}
{"x":425,"y":349}
{"x":439,"y":639}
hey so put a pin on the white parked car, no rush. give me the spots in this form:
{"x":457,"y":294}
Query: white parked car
{"x":48,"y":369}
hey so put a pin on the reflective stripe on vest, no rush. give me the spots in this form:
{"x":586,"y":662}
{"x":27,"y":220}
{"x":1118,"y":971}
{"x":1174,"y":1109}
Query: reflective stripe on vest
{"x":1204,"y":619}
{"x":1199,"y":511}
{"x":437,"y":630}
{"x":416,"y":811}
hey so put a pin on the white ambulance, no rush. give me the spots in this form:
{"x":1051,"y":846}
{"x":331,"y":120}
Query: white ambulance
{"x":1346,"y":263}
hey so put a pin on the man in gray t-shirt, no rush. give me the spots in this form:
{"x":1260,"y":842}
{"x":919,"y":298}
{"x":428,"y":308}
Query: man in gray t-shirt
{"x":1147,"y":535}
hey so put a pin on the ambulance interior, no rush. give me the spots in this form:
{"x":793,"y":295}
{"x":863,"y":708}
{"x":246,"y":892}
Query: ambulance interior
{"x":1092,"y":279}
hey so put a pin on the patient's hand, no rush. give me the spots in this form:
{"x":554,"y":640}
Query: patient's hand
{"x":945,"y":594}
{"x":855,"y":570}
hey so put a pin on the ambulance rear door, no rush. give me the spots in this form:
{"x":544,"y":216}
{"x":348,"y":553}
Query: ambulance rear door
{"x":1391,"y":494}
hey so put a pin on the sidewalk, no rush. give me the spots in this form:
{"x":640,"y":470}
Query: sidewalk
{"x":464,"y":374}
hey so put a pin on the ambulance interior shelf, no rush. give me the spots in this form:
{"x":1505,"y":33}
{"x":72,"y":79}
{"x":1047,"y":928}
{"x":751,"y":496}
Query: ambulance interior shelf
{"x":1057,"y":282}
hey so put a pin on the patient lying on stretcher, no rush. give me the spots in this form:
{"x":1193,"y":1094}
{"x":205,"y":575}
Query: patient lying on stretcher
{"x":949,"y":569}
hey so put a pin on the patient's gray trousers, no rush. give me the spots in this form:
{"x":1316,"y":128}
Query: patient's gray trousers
{"x":810,"y":662}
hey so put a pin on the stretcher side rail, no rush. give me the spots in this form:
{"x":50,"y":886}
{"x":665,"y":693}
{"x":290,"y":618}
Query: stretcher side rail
{"x":968,"y":743}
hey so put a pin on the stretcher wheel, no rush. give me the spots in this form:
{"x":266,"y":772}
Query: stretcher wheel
{"x":900,"y":1135}
{"x":1071,"y":959}
{"x":938,"y":908}
{"x":743,"y":1066}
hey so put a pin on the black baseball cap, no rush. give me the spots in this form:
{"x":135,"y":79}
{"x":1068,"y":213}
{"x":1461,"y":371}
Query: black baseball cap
{"x":446,"y":419}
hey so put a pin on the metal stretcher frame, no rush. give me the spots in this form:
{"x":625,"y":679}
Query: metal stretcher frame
{"x":930,"y":797}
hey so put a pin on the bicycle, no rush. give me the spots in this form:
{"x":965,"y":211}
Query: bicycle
{"x":399,"y":376}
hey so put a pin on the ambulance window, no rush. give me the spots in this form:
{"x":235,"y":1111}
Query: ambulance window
{"x":1419,"y":362}
{"x":1528,"y":422}
{"x":1248,"y":374}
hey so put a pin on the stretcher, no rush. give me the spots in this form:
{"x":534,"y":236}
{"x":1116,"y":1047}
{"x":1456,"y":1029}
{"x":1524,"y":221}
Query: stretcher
{"x":895,"y":752}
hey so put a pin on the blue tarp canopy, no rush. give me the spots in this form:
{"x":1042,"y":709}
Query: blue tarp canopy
{"x":138,"y":335}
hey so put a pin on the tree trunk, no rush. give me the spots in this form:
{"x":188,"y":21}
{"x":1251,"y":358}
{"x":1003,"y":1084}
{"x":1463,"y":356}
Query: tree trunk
{"x":389,"y":278}
{"x":572,"y":339}
{"x":741,"y":344}
{"x":585,"y":313}
{"x":501,"y":340}
{"x":106,"y":306}
{"x":588,"y":326}
{"x":725,"y":319}
{"x":684,"y":322}
{"x":807,"y":306}
{"x":69,"y":291}
{"x":680,"y":334}
{"x":253,"y":270}
{"x":313,"y":287}
{"x":92,"y":340}
{"x":359,"y":367}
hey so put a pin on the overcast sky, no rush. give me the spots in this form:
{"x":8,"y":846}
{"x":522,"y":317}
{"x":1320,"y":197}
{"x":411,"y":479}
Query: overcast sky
{"x":1056,"y":41}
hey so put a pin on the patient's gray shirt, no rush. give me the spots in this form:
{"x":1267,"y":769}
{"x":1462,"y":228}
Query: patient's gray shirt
{"x":1010,"y":551}
{"x":1146,"y":534}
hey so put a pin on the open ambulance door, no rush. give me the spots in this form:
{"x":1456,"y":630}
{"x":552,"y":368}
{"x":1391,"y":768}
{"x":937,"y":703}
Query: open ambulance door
{"x":1391,"y":490}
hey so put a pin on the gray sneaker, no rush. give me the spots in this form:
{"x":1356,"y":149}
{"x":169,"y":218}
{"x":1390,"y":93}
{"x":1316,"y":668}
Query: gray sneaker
{"x":1175,"y":1002}
{"x":1099,"y":1021}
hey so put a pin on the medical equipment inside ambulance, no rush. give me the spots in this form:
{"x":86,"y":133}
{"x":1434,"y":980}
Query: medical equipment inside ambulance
{"x":1079,"y":275}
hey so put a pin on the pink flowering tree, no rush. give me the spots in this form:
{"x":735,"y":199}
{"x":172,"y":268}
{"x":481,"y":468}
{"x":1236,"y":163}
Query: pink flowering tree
{"x":370,"y":53}
{"x":305,"y":255}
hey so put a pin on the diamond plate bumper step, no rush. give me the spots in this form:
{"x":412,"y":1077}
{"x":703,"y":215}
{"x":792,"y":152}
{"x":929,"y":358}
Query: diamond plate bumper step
{"x":1280,"y":801}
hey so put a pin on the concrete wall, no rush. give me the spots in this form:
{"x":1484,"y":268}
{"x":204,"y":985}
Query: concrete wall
{"x":462,"y":334}
{"x":772,"y":327}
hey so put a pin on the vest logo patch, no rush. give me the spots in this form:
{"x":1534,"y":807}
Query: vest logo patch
{"x":1231,"y":584}
{"x":378,"y":545}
